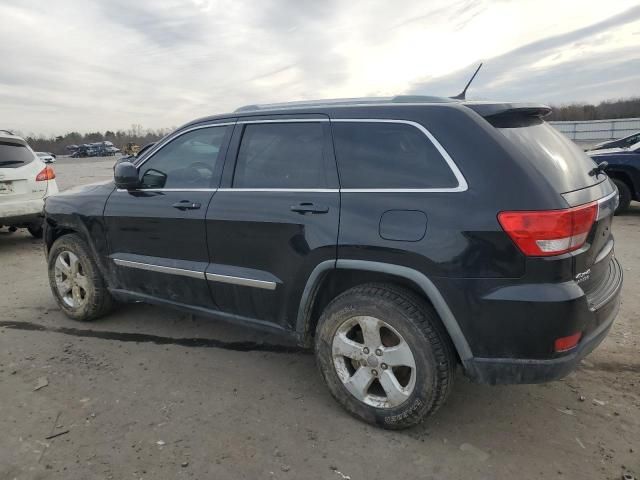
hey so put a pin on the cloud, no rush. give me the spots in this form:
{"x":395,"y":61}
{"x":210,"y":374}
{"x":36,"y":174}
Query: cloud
{"x":586,"y":75}
{"x":106,"y":64}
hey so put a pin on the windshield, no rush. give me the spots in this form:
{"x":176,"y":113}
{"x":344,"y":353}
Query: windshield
{"x":13,"y":155}
{"x":556,"y":157}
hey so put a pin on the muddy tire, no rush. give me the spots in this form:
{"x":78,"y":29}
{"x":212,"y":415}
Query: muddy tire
{"x":75,"y":280}
{"x":385,"y":355}
{"x":624,"y":194}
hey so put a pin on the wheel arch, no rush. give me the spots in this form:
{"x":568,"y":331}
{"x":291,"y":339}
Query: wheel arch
{"x":375,"y":271}
{"x":53,"y":230}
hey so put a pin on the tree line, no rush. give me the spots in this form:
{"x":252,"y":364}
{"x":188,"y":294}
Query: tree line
{"x":136,"y":134}
{"x":624,"y":108}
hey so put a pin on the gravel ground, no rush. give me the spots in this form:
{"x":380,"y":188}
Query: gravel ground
{"x":134,"y":396}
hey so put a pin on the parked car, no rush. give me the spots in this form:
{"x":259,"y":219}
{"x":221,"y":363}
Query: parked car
{"x":25,"y":180}
{"x":625,"y":142}
{"x":624,"y":169}
{"x":46,"y":157}
{"x":399,"y":237}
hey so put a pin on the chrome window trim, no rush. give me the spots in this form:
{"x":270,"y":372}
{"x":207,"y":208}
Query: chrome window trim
{"x":241,"y":281}
{"x":159,"y":268}
{"x":462,"y":182}
{"x":156,"y":148}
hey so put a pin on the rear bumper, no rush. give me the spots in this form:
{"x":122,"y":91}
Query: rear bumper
{"x":525,"y":370}
{"x":21,"y":212}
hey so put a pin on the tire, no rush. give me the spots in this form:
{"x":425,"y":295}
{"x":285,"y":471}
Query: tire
{"x":404,"y":315}
{"x":35,"y":230}
{"x":624,"y":196}
{"x":96,"y":300}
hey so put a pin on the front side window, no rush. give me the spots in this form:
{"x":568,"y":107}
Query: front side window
{"x":188,"y":161}
{"x":282,"y":155}
{"x":388,"y":155}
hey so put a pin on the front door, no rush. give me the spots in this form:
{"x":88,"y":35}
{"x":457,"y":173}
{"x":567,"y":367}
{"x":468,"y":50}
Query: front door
{"x":156,"y":233}
{"x":275,"y":219}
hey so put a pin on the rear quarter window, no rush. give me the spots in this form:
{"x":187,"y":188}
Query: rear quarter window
{"x":565,"y":166}
{"x":386,"y":155}
{"x":13,"y":155}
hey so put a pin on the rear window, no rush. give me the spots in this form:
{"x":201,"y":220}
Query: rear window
{"x":13,"y":155}
{"x":388,"y":155}
{"x":565,"y":166}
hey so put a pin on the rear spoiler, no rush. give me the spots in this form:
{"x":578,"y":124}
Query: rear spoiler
{"x":491,"y":109}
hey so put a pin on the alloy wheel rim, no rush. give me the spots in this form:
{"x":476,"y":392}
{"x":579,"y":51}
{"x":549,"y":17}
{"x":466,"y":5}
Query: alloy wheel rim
{"x":374,"y":362}
{"x":71,"y":281}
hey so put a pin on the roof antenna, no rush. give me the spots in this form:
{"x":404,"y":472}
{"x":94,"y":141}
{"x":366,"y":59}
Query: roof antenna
{"x":463,"y":93}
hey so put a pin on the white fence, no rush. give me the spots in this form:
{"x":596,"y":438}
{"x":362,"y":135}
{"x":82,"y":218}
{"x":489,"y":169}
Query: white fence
{"x":592,"y":131}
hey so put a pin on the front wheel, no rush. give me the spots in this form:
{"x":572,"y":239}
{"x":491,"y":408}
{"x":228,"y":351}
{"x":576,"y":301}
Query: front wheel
{"x":75,"y":280}
{"x":385,"y":355}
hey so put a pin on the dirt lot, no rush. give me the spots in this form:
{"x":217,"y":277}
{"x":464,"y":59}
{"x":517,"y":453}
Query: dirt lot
{"x":152,"y":393}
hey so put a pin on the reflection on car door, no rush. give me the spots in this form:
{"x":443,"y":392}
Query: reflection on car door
{"x":156,"y":233}
{"x":275,"y":219}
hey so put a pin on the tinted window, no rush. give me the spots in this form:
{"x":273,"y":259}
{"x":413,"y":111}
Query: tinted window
{"x":565,"y":166}
{"x":14,"y":155}
{"x":189,"y":161}
{"x":388,"y":155}
{"x":632,"y":140}
{"x":281,"y":155}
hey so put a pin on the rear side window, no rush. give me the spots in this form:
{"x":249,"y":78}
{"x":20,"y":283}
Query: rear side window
{"x":388,"y":155}
{"x":282,"y":155}
{"x":14,"y":155}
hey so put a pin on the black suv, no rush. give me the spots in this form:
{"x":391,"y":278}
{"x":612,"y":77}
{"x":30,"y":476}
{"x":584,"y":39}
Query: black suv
{"x":400,"y":237}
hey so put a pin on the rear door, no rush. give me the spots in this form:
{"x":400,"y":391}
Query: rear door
{"x":156,"y":233}
{"x":275,"y":219}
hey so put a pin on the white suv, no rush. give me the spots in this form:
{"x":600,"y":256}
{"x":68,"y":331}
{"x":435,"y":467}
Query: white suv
{"x":25,"y":181}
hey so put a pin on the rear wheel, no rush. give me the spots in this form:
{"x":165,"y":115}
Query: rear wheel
{"x":76,"y":281}
{"x":384,"y":355}
{"x":624,"y":193}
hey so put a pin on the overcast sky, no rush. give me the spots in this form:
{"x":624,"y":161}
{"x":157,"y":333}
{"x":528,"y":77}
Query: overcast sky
{"x":106,"y":64}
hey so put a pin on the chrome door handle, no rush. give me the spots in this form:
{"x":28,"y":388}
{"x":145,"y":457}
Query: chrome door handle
{"x":186,"y":205}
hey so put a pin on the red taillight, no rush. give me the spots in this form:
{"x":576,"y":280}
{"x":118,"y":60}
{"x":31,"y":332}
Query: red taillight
{"x":549,"y":232}
{"x":46,"y":173}
{"x":564,"y":344}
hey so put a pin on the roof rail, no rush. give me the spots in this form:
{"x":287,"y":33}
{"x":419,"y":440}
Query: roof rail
{"x":342,"y":102}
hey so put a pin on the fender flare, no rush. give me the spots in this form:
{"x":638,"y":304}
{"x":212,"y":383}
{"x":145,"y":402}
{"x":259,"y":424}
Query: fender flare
{"x":416,"y":277}
{"x":76,"y":226}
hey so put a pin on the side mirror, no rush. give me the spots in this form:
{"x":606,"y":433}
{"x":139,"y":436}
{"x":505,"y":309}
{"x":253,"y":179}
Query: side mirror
{"x":125,"y":175}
